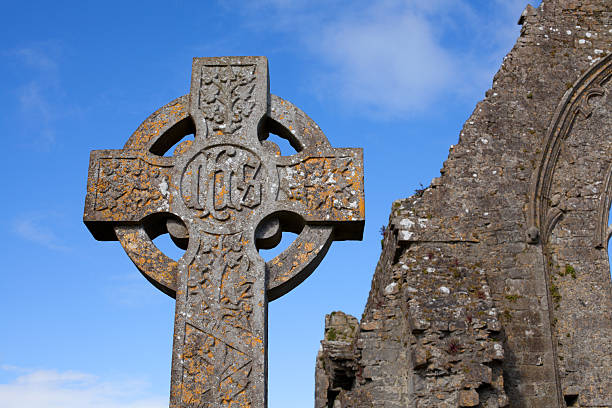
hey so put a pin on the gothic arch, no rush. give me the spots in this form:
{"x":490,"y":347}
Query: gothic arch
{"x":575,"y":106}
{"x":569,"y":206}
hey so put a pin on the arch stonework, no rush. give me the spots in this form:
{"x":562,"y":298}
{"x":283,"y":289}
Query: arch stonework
{"x":578,"y":105}
{"x":570,"y":202}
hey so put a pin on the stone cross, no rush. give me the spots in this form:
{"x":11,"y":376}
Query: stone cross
{"x":222,"y":196}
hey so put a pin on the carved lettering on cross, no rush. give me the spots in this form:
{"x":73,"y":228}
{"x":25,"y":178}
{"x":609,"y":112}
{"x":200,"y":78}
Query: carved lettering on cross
{"x":221,"y":197}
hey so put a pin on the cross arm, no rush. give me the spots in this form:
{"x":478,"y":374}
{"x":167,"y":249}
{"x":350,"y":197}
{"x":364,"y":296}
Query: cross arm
{"x":325,"y":188}
{"x":124,"y":186}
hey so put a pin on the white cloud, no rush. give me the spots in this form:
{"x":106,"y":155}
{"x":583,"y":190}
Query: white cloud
{"x":399,"y":57}
{"x":71,"y":389}
{"x":385,"y":63}
{"x":393,"y":58}
{"x":32,"y":228}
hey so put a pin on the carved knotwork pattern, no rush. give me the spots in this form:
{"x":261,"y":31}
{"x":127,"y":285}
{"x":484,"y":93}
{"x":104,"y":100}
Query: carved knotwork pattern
{"x":220,"y":283}
{"x":129,"y":186}
{"x":215,"y":374}
{"x":322,"y":184}
{"x":226,"y":96}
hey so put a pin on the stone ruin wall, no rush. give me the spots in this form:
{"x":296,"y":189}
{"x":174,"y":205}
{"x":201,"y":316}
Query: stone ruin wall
{"x":493,"y":288}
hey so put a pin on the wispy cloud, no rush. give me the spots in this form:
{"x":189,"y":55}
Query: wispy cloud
{"x":32,"y":227}
{"x":40,"y":96}
{"x":36,"y":57}
{"x":35,"y":105}
{"x":72,"y":389}
{"x":396,"y":57}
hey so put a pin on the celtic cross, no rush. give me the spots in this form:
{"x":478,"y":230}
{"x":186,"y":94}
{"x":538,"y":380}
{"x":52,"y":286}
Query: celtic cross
{"x":222,"y":196}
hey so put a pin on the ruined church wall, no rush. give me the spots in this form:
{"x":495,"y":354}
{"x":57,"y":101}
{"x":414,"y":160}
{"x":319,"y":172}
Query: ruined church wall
{"x":493,"y":288}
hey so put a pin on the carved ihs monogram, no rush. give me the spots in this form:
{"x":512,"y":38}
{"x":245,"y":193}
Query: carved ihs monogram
{"x":222,"y":180}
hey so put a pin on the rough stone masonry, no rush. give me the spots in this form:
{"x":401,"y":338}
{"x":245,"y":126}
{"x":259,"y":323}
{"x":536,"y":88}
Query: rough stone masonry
{"x":222,"y":196}
{"x":493,"y":288}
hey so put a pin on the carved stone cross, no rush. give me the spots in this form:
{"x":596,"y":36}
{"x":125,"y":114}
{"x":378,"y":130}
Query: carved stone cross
{"x":222,"y":196}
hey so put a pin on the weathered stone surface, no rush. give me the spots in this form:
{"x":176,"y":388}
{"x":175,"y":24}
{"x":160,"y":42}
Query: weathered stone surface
{"x":337,"y":357}
{"x":468,"y":398}
{"x":222,"y":196}
{"x":494,"y":286}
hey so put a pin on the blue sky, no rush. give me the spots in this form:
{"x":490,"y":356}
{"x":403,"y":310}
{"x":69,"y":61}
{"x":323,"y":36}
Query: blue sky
{"x":81,"y":327}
